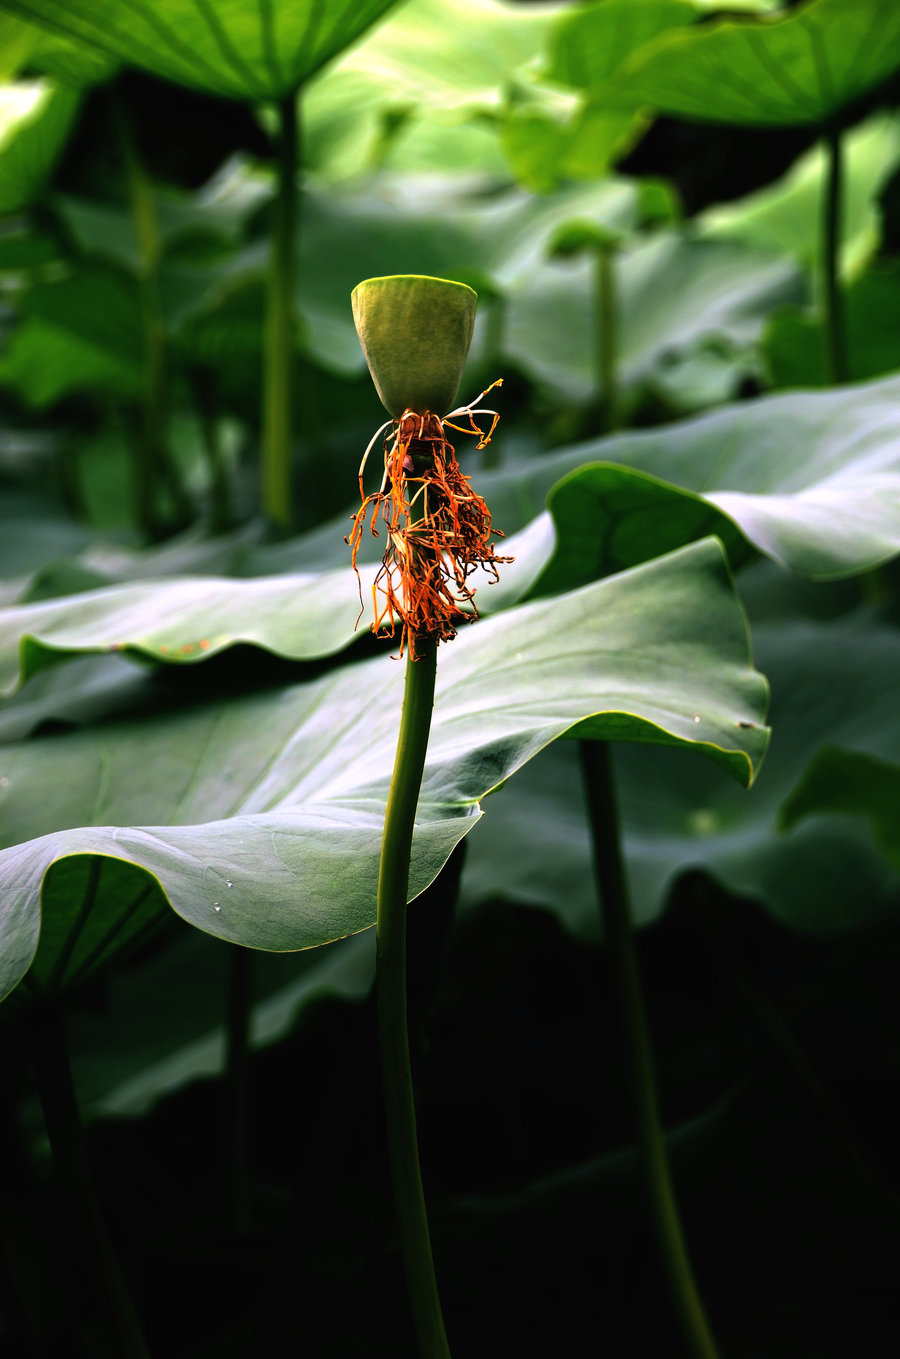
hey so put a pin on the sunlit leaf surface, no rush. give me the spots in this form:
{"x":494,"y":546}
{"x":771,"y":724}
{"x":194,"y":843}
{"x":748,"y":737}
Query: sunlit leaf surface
{"x":35,"y":117}
{"x":797,"y":67}
{"x":811,"y":479}
{"x":259,"y":819}
{"x":243,"y":49}
{"x":189,"y":619}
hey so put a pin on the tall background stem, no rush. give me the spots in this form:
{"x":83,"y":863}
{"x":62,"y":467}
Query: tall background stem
{"x":607,"y":339}
{"x":64,"y":1130}
{"x":651,"y":1143}
{"x":154,"y":472}
{"x":390,"y":935}
{"x":836,"y":369}
{"x":277,"y":502}
{"x":237,"y":1072}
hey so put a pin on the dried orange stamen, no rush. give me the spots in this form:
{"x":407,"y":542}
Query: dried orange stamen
{"x":438,"y":528}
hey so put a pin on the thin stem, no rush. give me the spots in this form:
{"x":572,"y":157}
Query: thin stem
{"x":390,"y":935}
{"x":607,"y":336}
{"x":836,"y":368}
{"x":151,"y":469}
{"x":277,"y":502}
{"x":236,"y":1083}
{"x":651,"y":1142}
{"x":63,"y":1123}
{"x":495,"y":326}
{"x":221,"y":512}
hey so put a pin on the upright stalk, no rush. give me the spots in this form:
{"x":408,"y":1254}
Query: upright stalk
{"x":64,"y":1130}
{"x":607,"y":337}
{"x":277,"y":501}
{"x":836,"y":369}
{"x":236,"y":1085}
{"x":651,"y":1143}
{"x":390,"y":935}
{"x":221,"y":513}
{"x":152,"y":466}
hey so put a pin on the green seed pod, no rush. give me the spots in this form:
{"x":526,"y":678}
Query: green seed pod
{"x":415,"y":332}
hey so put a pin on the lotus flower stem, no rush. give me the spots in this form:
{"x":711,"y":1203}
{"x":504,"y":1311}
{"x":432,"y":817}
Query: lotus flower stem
{"x":277,"y":502}
{"x":237,"y":1105}
{"x":607,"y":338}
{"x":651,"y":1142}
{"x":390,"y":935}
{"x":66,"y":1136}
{"x":153,"y":466}
{"x":415,"y":332}
{"x":836,"y":368}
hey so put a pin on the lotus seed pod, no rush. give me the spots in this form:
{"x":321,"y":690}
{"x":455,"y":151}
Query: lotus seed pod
{"x":415,"y":332}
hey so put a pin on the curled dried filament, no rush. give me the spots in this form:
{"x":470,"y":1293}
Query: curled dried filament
{"x":438,"y":528}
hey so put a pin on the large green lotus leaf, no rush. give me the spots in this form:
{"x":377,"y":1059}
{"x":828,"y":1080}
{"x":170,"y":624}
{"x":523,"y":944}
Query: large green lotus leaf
{"x":28,"y":48}
{"x":56,"y":557}
{"x":44,"y":363}
{"x":676,"y":296}
{"x":299,"y":616}
{"x":850,"y":783}
{"x":545,"y":143}
{"x":793,"y":345}
{"x":591,"y":42}
{"x":832,"y":681}
{"x":35,"y":118}
{"x":242,"y":49}
{"x":137,"y":1051}
{"x":214,"y":214}
{"x":82,"y":330}
{"x":90,"y":688}
{"x":544,"y":146}
{"x":430,"y":69}
{"x":259,"y":819}
{"x":785,"y":217}
{"x":444,"y":228}
{"x":811,"y":479}
{"x":189,"y":619}
{"x":800,"y":67}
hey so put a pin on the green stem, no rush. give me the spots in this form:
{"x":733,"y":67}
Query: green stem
{"x":390,"y":936}
{"x":607,"y":337}
{"x":57,"y":1094}
{"x":236,"y":1084}
{"x":221,"y":512}
{"x":277,"y":503}
{"x":149,"y":471}
{"x":836,"y":368}
{"x":651,"y":1143}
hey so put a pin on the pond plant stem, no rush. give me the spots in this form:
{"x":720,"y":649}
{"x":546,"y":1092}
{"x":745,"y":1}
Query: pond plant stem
{"x":607,"y":339}
{"x":237,"y":1104}
{"x":651,"y":1143}
{"x":151,"y":420}
{"x":836,"y":368}
{"x":66,"y":1136}
{"x":277,"y":501}
{"x":390,"y":936}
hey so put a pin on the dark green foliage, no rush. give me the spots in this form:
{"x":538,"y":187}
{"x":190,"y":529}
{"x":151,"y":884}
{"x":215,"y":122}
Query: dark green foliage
{"x":192,"y":730}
